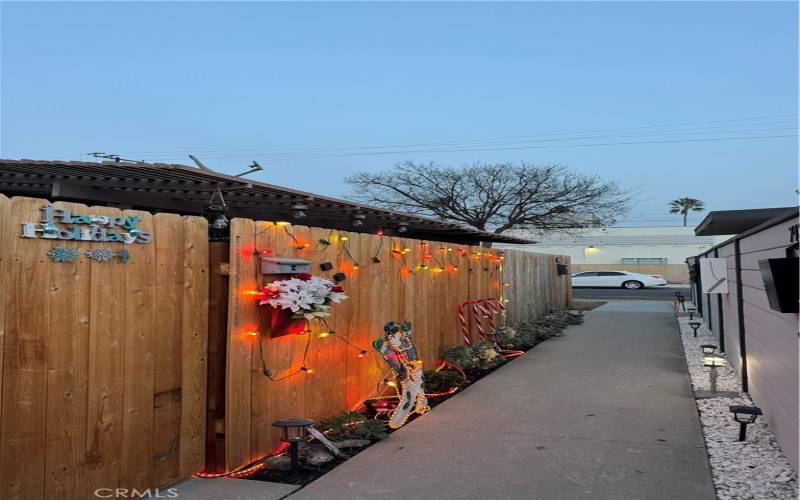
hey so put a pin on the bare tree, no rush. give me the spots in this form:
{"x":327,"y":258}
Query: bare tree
{"x":495,"y":197}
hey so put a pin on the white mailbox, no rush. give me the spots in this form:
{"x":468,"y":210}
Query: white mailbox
{"x":280,"y":265}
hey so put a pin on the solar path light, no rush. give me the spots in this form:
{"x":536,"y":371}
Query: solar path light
{"x":708,"y":348}
{"x":713,"y":361}
{"x":294,"y":431}
{"x":694,"y":325}
{"x":692,"y":310}
{"x":745,"y":415}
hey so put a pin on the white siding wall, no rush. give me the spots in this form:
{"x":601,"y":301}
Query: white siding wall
{"x":772,"y":341}
{"x":771,"y":338}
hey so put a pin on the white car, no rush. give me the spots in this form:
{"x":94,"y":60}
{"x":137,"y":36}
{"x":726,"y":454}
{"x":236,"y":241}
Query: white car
{"x":624,"y":279}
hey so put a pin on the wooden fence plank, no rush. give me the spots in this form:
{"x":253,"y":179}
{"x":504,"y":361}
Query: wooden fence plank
{"x":139,"y":313}
{"x":263,"y":435}
{"x":7,"y":229}
{"x":22,"y":446}
{"x":219,"y":255}
{"x":242,"y":319}
{"x":68,"y":337}
{"x":168,"y":239}
{"x":106,"y":371}
{"x":194,"y":338}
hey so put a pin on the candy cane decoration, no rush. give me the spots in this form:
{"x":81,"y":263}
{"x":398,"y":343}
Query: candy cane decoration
{"x":487,"y":314}
{"x":463,"y":322}
{"x":476,"y":311}
{"x":483,"y":308}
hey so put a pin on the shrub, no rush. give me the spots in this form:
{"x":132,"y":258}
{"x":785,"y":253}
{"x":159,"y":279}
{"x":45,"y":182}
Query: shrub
{"x":442,"y":381}
{"x":480,"y":356}
{"x":486,"y":355}
{"x":460,"y":356}
{"x":353,"y":425}
{"x":517,"y":337}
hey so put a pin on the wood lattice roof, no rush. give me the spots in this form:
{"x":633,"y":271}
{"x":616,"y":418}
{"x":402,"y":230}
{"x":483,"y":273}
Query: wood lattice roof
{"x":186,"y":190}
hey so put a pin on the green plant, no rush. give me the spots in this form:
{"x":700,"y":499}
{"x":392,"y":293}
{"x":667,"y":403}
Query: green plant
{"x":353,"y":425}
{"x":486,"y":355}
{"x":460,"y":356}
{"x":517,"y":337}
{"x":480,"y":356}
{"x":442,"y":381}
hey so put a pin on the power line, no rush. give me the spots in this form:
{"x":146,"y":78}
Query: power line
{"x":471,"y":141}
{"x":300,"y":156}
{"x":514,"y":148}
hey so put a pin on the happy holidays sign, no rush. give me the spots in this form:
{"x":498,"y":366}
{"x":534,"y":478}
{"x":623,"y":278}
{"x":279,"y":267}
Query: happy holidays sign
{"x":62,"y":224}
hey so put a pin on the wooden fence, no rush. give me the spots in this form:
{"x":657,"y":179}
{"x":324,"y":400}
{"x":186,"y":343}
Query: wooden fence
{"x":383,"y":284}
{"x":103,"y":363}
{"x":534,"y":285}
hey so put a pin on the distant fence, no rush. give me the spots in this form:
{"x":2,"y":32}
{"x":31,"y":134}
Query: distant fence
{"x":388,"y":278}
{"x":103,"y":362}
{"x":534,"y":285}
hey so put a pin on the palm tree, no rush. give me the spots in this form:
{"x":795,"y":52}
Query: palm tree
{"x":684,"y":205}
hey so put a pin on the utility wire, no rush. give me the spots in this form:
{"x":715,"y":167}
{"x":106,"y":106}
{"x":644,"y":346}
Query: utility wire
{"x":471,"y":141}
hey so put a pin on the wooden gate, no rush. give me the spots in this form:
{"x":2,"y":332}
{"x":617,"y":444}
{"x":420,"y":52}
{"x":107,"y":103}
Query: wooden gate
{"x":103,"y":362}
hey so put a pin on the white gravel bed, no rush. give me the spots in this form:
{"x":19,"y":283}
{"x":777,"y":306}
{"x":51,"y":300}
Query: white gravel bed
{"x":727,"y":378}
{"x":754,"y":469}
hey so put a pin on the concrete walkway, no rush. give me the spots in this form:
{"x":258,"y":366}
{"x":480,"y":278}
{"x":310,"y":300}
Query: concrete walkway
{"x":605,"y":412}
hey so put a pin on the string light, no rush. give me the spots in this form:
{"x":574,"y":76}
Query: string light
{"x":283,"y":223}
{"x":362,"y":354}
{"x":323,"y":335}
{"x":343,"y":237}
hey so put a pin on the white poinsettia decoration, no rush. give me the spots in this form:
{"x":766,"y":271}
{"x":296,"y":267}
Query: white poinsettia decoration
{"x":307,"y":296}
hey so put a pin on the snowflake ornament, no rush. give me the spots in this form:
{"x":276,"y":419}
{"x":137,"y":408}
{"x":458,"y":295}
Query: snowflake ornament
{"x":62,"y":254}
{"x":100,"y":254}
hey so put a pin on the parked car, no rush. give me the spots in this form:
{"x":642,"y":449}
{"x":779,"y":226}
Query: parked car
{"x":624,"y":279}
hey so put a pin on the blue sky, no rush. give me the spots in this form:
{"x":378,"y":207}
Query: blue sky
{"x":233,"y":82}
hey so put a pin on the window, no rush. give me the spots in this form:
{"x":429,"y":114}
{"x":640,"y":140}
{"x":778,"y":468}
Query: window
{"x":585,"y":275}
{"x":610,"y":273}
{"x":633,"y":261}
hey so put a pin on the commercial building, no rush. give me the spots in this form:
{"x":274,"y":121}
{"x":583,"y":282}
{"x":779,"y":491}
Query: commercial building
{"x":649,"y":250}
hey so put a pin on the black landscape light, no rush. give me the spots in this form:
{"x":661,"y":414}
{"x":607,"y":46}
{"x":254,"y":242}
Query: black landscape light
{"x":494,"y":336}
{"x":745,"y":415}
{"x":694,"y":326}
{"x":358,"y":220}
{"x":299,"y":210}
{"x":713,"y":361}
{"x":402,"y":227}
{"x":681,"y":300}
{"x":326,"y":266}
{"x":691,"y":310}
{"x":294,"y":431}
{"x":339,"y":277}
{"x":708,"y":348}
